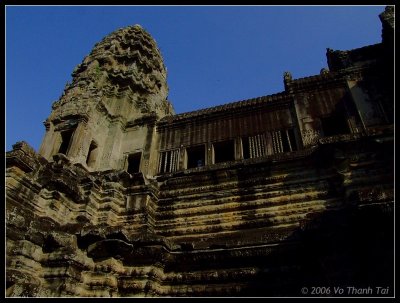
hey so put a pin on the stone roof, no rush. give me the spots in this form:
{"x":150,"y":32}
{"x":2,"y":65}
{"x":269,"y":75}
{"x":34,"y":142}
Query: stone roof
{"x":247,"y":103}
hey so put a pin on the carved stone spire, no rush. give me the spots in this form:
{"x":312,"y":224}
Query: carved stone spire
{"x":125,"y":65}
{"x":116,"y":95}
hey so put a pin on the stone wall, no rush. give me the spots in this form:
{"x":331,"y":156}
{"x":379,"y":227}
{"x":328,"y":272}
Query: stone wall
{"x":260,"y":197}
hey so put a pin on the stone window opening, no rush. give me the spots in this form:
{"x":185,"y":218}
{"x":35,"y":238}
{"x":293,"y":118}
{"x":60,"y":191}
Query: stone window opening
{"x":92,"y":154}
{"x":284,"y":141}
{"x":289,"y":141}
{"x":277,"y":142}
{"x":195,"y":156}
{"x":66,"y":139}
{"x":169,"y":161}
{"x":254,"y":146}
{"x":134,"y":163}
{"x":224,"y":151}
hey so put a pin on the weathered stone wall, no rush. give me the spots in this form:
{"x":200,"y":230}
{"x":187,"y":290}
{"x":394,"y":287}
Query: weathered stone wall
{"x":249,"y":229}
{"x":318,"y":213}
{"x":225,"y":122}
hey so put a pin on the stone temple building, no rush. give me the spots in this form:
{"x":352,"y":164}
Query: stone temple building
{"x":261,"y":197}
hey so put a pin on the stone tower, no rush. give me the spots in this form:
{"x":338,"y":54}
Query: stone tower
{"x":105,"y":118}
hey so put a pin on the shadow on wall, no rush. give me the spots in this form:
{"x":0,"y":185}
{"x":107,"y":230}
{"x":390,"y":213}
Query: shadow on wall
{"x":336,"y":249}
{"x":345,"y":248}
{"x":333,"y":248}
{"x":343,"y":251}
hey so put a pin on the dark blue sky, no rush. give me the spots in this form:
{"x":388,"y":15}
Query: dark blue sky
{"x":214,"y":55}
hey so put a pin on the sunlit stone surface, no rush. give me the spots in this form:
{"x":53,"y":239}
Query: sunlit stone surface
{"x":260,"y":197}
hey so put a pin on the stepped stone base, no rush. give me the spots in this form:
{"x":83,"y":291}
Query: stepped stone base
{"x":321,"y":217}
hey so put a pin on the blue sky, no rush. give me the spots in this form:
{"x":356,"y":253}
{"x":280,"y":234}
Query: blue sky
{"x":214,"y":55}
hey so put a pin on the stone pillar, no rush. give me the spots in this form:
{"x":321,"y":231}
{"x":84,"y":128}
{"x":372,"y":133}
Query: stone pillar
{"x":370,"y":113}
{"x":79,"y":144}
{"x":308,"y":127}
{"x":269,"y":143}
{"x":209,"y":154}
{"x":153,"y":156}
{"x":149,"y":163}
{"x":238,"y":148}
{"x":296,"y":127}
{"x":111,"y":150}
{"x":51,"y":141}
{"x":182,"y":158}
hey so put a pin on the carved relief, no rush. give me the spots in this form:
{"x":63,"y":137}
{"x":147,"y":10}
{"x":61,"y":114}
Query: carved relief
{"x":125,"y":64}
{"x":310,"y":136}
{"x":287,"y":76}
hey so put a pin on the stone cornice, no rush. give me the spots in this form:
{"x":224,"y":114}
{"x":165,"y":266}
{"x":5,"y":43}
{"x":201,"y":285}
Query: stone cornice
{"x":325,"y":80}
{"x":338,"y":59}
{"x":76,"y":118}
{"x":24,"y":156}
{"x":249,"y":105}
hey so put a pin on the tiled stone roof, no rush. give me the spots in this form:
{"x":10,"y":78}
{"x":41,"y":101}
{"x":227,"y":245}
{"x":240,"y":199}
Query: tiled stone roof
{"x":228,"y":107}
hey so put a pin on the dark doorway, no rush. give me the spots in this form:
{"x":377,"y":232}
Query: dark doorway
{"x":196,"y":156}
{"x":224,"y":151}
{"x":134,"y":163}
{"x":66,"y":138}
{"x":288,"y":140}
